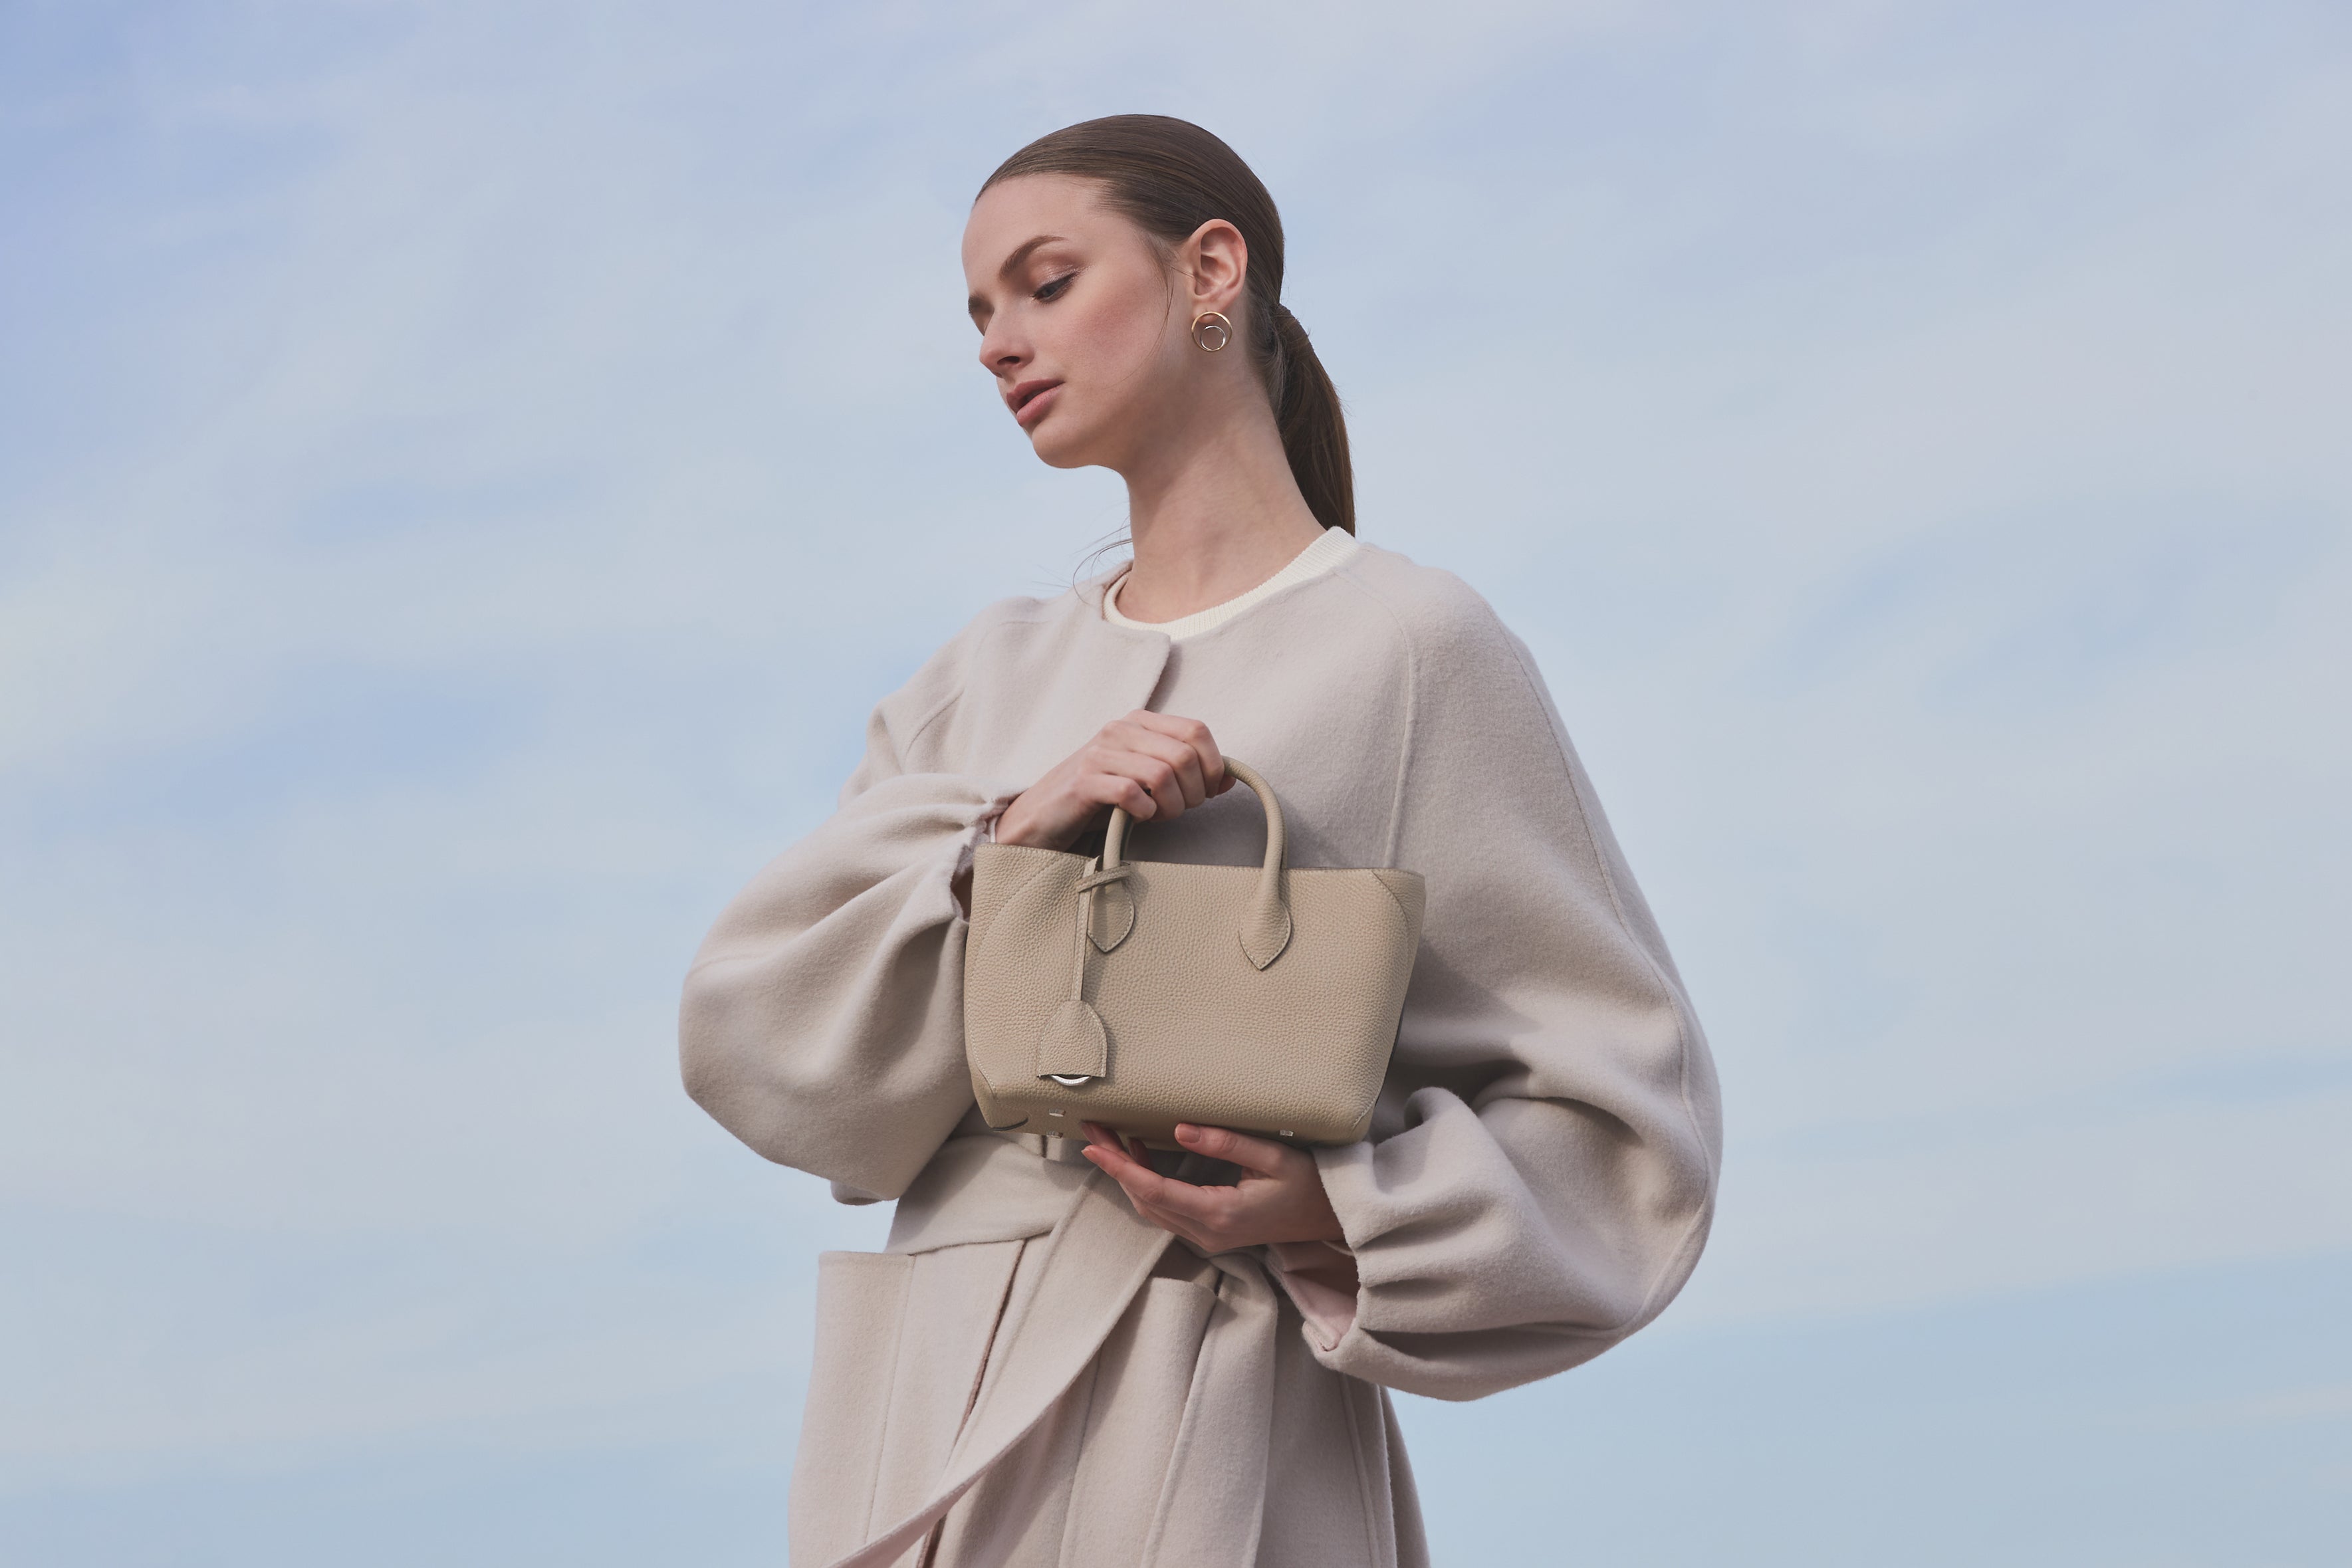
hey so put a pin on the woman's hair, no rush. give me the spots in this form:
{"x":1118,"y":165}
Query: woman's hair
{"x":1170,"y":176}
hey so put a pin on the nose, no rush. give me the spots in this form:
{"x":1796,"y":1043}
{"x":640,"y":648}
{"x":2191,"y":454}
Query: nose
{"x":1000,"y":353}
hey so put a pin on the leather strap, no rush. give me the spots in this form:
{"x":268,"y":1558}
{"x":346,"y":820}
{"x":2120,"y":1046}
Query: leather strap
{"x":1265,"y":930}
{"x":1074,"y":1048}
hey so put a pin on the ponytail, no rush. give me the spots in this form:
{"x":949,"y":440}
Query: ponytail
{"x":1314,"y":431}
{"x":1171,"y":176}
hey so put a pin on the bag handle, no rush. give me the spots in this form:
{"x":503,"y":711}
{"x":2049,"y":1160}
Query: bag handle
{"x":1265,"y":931}
{"x":1074,"y":1049}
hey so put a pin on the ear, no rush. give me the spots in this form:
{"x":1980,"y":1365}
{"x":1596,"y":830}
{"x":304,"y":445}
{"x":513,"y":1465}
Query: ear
{"x":1215,"y":260}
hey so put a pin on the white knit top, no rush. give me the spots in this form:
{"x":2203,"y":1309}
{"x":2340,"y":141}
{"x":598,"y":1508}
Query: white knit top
{"x":1336,"y":545}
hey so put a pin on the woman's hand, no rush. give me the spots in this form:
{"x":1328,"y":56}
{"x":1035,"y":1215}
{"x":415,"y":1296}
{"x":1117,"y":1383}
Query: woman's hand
{"x":1280,"y":1197}
{"x":1153,"y":765}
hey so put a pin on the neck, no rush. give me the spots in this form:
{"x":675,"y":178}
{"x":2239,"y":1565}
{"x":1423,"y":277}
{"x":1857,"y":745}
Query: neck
{"x":1212,"y":517}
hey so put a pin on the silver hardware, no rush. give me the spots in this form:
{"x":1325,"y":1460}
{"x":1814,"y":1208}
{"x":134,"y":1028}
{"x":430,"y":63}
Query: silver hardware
{"x":1052,"y":1113}
{"x":1285,"y":1132}
{"x":1071,"y":1080}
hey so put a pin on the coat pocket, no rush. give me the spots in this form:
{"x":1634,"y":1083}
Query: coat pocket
{"x":901,"y":1341}
{"x":1143,"y":1385}
{"x":861,"y":1308}
{"x":1081,"y":1488}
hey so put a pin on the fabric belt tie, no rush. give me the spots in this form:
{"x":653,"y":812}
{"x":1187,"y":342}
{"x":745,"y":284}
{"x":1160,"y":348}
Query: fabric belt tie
{"x":1212,"y":1506}
{"x":1096,"y":1259}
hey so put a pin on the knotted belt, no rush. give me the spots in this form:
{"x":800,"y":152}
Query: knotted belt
{"x":1096,"y":1259}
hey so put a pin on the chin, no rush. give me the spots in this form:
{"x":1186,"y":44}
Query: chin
{"x":1061,"y":448}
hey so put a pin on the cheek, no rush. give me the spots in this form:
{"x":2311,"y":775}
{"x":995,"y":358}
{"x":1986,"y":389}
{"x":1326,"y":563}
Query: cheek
{"x":1112,"y":333}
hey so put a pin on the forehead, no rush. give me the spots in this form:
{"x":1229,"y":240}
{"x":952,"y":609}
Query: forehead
{"x":1013,"y":212}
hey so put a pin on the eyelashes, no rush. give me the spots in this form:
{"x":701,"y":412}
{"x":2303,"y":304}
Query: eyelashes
{"x":1045,"y":293}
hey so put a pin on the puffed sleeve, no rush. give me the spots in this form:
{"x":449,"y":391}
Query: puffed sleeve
{"x":822,"y":1020}
{"x":1541,"y":1172}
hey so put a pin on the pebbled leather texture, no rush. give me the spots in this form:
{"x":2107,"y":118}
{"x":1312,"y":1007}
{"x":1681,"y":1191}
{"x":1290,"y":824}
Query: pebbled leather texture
{"x":1264,"y":999}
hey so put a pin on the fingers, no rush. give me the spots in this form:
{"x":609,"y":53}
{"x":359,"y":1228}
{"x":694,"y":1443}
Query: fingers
{"x":1209,"y":1235}
{"x":1104,"y":787}
{"x":1112,"y":1154}
{"x":1194,"y":1212}
{"x":1182,"y":760}
{"x":1144,"y":1187}
{"x":1149,"y":765}
{"x":1263,"y":1155}
{"x":1176,"y":1225}
{"x":1195,"y":736}
{"x":1201,"y":762}
{"x":1103,"y":1137}
{"x":1118,"y":769}
{"x":1207,"y":1208}
{"x":1158,"y":776}
{"x":1282,"y":1198}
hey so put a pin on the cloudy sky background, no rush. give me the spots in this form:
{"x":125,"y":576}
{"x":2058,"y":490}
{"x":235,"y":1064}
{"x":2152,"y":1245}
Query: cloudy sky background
{"x":466,"y":470}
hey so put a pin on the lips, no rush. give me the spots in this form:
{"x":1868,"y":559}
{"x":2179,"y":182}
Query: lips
{"x":1030,"y":400}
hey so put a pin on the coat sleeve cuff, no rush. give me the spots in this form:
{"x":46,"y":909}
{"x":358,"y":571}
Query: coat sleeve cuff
{"x":1319,"y":1277}
{"x":982,"y":832}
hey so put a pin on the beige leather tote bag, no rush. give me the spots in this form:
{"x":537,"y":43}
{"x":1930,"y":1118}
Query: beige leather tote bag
{"x":1140,"y":994}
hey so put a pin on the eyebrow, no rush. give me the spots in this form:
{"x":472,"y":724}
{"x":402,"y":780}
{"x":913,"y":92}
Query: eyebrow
{"x":1012,"y":264}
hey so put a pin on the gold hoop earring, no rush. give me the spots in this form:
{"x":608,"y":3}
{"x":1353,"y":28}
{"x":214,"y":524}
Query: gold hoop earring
{"x":1211,"y":331}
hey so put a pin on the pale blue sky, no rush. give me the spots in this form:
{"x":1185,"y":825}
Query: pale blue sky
{"x":467,"y":469}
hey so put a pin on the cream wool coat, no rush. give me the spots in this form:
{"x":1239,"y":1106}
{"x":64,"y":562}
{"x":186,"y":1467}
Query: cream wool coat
{"x":1029,"y":1373}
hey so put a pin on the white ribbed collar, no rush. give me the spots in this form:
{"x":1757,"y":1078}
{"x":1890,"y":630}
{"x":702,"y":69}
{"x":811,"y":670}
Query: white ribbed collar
{"x":1335,"y":545}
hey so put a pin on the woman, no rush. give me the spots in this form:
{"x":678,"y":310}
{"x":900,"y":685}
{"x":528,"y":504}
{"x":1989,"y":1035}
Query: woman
{"x":1086,"y":1354}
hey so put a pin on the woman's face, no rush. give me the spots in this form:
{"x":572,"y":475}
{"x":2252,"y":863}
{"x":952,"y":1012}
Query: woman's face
{"x":1081,"y":322}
